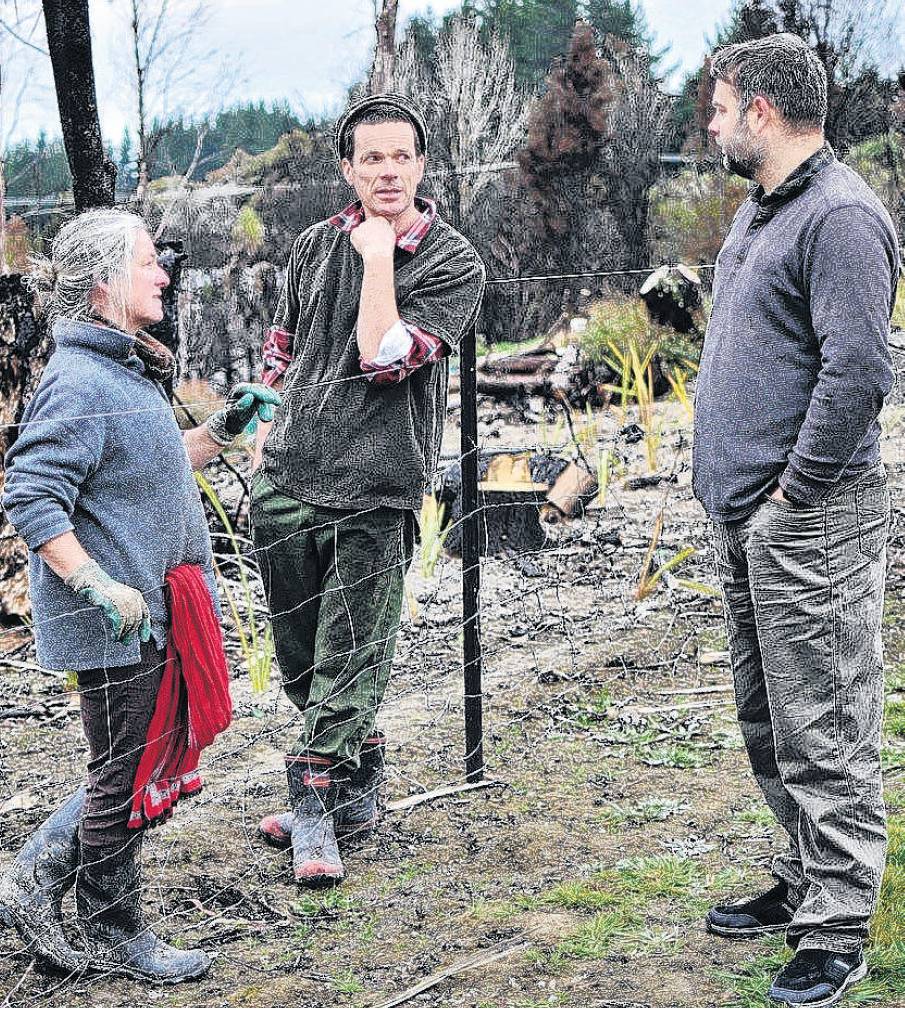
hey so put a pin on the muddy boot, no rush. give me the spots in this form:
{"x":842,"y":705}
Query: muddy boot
{"x":31,"y":892}
{"x":358,"y":806}
{"x":313,"y":793}
{"x":360,"y":803}
{"x":108,"y":897}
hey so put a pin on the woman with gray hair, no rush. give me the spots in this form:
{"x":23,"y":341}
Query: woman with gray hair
{"x":99,"y":484}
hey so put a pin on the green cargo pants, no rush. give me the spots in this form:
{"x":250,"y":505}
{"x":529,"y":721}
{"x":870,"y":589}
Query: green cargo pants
{"x":334,"y":581}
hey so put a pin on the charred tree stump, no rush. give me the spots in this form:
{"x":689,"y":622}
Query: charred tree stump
{"x":509,"y":512}
{"x":672,"y":295}
{"x":24,"y":349}
{"x":170,"y":257}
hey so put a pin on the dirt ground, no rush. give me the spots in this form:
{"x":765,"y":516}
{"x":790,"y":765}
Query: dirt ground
{"x":618,"y":804}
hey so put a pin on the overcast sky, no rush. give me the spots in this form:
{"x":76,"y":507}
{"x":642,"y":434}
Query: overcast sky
{"x":305,"y":51}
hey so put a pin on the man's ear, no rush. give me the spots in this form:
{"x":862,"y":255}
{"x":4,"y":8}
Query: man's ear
{"x":764,"y":113}
{"x":346,"y":166}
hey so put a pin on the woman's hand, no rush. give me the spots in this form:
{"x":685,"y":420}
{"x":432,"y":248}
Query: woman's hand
{"x":244,"y":402}
{"x":123,"y":606}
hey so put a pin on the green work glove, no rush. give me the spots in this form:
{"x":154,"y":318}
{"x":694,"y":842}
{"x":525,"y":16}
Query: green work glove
{"x":123,"y":606}
{"x":244,"y":402}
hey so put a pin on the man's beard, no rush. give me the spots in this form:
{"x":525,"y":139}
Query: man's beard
{"x":743,"y":155}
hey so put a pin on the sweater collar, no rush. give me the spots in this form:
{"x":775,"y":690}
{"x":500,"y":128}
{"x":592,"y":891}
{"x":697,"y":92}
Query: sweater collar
{"x":105,"y":340}
{"x":795,"y":182}
{"x":94,"y":336}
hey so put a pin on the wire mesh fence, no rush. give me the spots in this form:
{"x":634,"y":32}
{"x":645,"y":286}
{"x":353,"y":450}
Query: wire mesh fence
{"x":577,"y":670}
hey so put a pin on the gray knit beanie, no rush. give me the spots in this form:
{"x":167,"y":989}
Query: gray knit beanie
{"x":390,"y":102}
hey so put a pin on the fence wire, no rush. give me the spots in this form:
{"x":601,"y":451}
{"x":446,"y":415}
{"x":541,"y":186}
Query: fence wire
{"x":561,"y":625}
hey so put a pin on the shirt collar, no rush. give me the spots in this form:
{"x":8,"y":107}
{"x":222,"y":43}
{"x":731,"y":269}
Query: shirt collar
{"x":797,"y":181}
{"x":350,"y":217}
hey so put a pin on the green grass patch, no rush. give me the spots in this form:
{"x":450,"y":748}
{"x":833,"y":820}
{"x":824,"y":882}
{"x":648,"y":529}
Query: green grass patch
{"x":892,"y":756}
{"x":757,"y":815}
{"x":322,"y":905}
{"x":595,"y":939}
{"x":895,"y":800}
{"x":894,"y":720}
{"x":895,"y":679}
{"x":678,"y":755}
{"x":652,"y":810}
{"x":749,"y":986}
{"x":595,"y":711}
{"x":346,"y":983}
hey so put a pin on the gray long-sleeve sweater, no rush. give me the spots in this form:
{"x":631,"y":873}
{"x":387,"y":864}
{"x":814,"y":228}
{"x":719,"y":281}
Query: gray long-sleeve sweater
{"x":796,"y":360}
{"x":99,"y":453}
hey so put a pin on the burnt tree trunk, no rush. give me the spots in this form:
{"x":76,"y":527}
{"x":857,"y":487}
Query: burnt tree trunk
{"x":24,"y":342}
{"x":69,"y":43}
{"x":385,"y":52}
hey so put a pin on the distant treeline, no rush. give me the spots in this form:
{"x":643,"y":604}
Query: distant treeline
{"x":37,"y":169}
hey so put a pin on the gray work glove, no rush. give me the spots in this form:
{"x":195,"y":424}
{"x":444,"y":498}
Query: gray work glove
{"x":123,"y":606}
{"x":244,"y":402}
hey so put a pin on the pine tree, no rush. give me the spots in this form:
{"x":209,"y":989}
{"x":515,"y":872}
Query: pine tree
{"x":594,"y":142}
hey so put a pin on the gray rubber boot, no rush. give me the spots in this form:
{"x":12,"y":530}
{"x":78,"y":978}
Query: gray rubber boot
{"x":313,"y":793}
{"x":358,"y":806}
{"x":32,"y":891}
{"x":108,"y":897}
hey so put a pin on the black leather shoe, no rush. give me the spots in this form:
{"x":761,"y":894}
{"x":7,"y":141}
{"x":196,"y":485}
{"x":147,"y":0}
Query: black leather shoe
{"x":770,"y":912}
{"x":817,"y":977}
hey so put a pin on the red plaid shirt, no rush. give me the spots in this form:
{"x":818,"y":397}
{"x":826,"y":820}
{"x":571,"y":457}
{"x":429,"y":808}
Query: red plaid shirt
{"x":425,"y":346}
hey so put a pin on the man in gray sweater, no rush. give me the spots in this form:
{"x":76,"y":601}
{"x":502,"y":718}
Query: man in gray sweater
{"x":794,"y":372}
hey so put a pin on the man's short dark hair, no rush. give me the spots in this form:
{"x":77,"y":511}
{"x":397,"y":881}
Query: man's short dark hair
{"x":376,"y":115}
{"x":781,"y":68}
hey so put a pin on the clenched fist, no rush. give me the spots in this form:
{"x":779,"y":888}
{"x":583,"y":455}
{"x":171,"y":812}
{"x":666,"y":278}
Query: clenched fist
{"x":374,"y":237}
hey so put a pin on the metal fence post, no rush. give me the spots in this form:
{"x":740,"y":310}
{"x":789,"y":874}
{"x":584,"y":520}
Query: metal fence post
{"x":471,"y":561}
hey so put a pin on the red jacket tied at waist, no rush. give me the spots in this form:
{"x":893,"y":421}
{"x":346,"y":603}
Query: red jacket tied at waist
{"x":193,"y":704}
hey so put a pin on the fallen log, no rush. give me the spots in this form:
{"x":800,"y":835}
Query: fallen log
{"x":573,"y":488}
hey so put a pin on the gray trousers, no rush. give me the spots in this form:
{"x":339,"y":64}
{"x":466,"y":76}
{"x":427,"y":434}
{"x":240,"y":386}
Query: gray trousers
{"x":803,"y":595}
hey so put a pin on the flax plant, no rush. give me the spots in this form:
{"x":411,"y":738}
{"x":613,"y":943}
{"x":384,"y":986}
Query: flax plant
{"x":636,"y":382}
{"x":648,"y":580}
{"x":433,"y":534}
{"x":257,"y":650}
{"x":603,"y":476}
{"x":676,"y":380}
{"x":550,"y":437}
{"x":586,"y":435}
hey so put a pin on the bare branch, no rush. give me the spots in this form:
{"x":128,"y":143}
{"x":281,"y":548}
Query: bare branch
{"x":189,"y":172}
{"x":24,"y":41}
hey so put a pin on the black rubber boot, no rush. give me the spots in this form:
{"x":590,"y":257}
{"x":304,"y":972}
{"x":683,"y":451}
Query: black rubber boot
{"x":108,"y":897}
{"x":31,"y":892}
{"x":358,"y":805}
{"x":313,"y":794}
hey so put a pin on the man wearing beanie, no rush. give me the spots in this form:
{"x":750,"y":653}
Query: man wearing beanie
{"x":787,"y":464}
{"x":375,"y":299}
